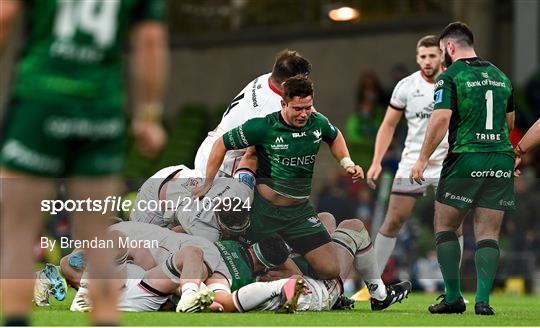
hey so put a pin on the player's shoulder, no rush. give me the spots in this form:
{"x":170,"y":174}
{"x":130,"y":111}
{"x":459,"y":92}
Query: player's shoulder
{"x":409,"y":81}
{"x":500,"y":74}
{"x":318,"y":116}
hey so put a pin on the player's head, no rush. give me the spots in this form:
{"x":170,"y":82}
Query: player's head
{"x":232,"y":220}
{"x":269,"y":253}
{"x":456,"y":36}
{"x":297,"y":100}
{"x":429,"y":55}
{"x":289,"y":63}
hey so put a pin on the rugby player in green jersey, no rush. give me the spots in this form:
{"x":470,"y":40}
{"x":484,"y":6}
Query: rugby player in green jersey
{"x":286,"y":145}
{"x":474,"y":102}
{"x":65,"y":119}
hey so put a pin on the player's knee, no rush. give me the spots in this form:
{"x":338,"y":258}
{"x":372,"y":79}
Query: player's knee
{"x":328,"y":220}
{"x":353,"y":224}
{"x":352,"y":235}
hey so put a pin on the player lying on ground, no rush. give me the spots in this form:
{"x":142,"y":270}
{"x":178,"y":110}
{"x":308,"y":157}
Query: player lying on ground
{"x":172,"y":186}
{"x":227,"y":263}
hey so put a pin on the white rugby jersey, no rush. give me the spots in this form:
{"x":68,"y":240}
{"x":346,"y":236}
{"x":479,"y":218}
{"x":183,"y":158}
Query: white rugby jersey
{"x":258,"y":99}
{"x":165,"y":238}
{"x":150,"y":209}
{"x":414,"y":95}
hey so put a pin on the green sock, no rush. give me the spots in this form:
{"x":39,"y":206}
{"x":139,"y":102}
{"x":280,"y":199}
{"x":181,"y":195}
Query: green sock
{"x":486,"y":259}
{"x":448,"y":255}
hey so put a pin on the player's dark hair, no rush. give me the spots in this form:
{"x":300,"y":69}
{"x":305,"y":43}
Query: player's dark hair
{"x":274,"y":249}
{"x":234,"y":221}
{"x":428,"y":41}
{"x":288,"y":64}
{"x":459,"y":32}
{"x":297,"y":86}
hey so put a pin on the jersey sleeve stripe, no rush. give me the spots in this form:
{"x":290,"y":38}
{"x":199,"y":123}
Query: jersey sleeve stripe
{"x":396,"y":107}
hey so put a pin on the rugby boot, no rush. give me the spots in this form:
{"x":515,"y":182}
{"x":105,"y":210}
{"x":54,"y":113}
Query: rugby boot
{"x":290,"y":292}
{"x":483,"y":308}
{"x":196,"y":301}
{"x":445,"y":307}
{"x":394,"y":293}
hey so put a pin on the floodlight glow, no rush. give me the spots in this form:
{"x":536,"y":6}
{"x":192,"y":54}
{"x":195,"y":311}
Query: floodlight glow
{"x":343,"y":14}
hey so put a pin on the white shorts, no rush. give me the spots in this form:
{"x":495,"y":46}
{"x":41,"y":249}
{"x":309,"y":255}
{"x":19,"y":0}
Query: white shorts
{"x":136,"y":295}
{"x":230,"y":162}
{"x":402,"y":185}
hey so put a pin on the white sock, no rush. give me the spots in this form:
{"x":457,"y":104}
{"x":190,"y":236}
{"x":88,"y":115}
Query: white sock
{"x":189,"y":288}
{"x":251,"y":296}
{"x":460,"y":241}
{"x":384,"y":246}
{"x":366,"y":264}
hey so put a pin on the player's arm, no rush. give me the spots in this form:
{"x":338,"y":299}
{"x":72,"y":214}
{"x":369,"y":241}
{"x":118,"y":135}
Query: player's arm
{"x":529,"y":142}
{"x":149,"y":66}
{"x":9,"y":10}
{"x":437,"y":128}
{"x":382,"y":142}
{"x":510,"y":112}
{"x":338,"y":148}
{"x":248,"y":160}
{"x":248,"y":134}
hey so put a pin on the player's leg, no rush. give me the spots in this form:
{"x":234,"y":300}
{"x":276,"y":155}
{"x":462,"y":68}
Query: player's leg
{"x":497,"y":196}
{"x":487,"y":225}
{"x":104,"y":282}
{"x":21,"y":196}
{"x":72,"y":267}
{"x":447,"y":221}
{"x":354,"y":250}
{"x":399,"y":210}
{"x":318,"y":258}
{"x":185,"y":269}
{"x":328,"y":220}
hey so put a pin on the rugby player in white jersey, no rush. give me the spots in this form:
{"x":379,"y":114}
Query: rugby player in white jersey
{"x":259,"y":98}
{"x":412,"y":97}
{"x":171,"y":188}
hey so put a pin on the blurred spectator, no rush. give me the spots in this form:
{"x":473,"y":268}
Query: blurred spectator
{"x":333,"y":198}
{"x":427,"y":275}
{"x":522,"y":224}
{"x":532,"y":93}
{"x":362,"y":124}
{"x":365,"y":204}
{"x":397,"y":73}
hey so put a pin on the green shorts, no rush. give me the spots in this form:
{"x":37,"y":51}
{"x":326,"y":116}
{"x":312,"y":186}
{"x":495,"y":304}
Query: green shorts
{"x":478,"y":180}
{"x":67,"y":137}
{"x":299,"y":225}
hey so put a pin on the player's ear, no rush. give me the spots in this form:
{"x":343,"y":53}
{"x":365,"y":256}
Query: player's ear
{"x":283,"y":104}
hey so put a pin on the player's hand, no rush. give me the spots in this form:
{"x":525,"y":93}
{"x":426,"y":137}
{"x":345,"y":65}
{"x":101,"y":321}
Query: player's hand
{"x":417,"y":172}
{"x":150,"y":137}
{"x":202,"y":190}
{"x":373,"y":174}
{"x":355,"y":172}
{"x":517,"y":162}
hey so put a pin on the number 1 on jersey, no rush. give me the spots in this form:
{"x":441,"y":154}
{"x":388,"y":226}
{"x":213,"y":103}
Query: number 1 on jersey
{"x":489,"y":110}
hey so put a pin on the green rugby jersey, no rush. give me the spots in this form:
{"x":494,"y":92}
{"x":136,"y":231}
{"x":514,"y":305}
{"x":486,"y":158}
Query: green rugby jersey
{"x":237,"y":262}
{"x":74,"y":48}
{"x":479,"y":95}
{"x":286,"y":154}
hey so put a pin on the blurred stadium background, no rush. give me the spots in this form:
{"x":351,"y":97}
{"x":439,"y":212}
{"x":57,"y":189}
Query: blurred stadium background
{"x":217,"y":46}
